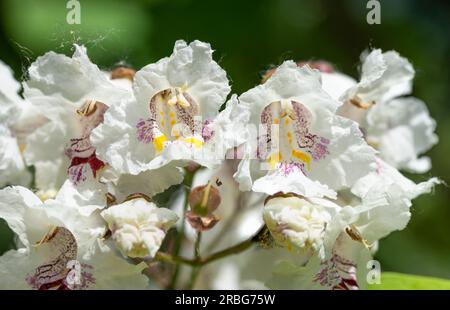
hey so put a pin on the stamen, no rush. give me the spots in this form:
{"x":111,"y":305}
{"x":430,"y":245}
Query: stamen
{"x":356,"y":101}
{"x":137,"y":196}
{"x":110,"y":199}
{"x":356,"y":235}
{"x":48,"y":236}
{"x":205,"y":198}
{"x":88,"y":108}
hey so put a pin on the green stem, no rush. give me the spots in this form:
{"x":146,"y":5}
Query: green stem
{"x":236,"y":249}
{"x":196,"y":269}
{"x":180,"y":236}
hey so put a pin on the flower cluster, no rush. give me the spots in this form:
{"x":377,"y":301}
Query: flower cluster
{"x":112,"y":179}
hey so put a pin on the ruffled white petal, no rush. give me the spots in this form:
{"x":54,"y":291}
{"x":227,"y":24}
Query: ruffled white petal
{"x":384,"y":76}
{"x":295,"y":182}
{"x":386,"y":200}
{"x":72,"y":78}
{"x":14,"y":203}
{"x":350,"y":156}
{"x":291,"y":83}
{"x":402,"y":129}
{"x":116,"y":139}
{"x":190,"y":67}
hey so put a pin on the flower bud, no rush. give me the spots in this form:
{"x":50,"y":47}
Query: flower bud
{"x":322,"y":66}
{"x":204,"y":200}
{"x":138,"y":226}
{"x":123,"y":73}
{"x":295,"y":222}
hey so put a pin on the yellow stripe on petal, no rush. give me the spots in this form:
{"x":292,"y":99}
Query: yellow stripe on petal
{"x":274,"y":159}
{"x":303,"y":157}
{"x":197,"y":143}
{"x":158,"y":143}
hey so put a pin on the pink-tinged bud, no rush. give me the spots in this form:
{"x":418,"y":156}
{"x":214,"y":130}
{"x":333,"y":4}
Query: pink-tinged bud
{"x":322,"y":66}
{"x":267,"y":75}
{"x":200,"y":223}
{"x":123,"y":73}
{"x":204,"y":200}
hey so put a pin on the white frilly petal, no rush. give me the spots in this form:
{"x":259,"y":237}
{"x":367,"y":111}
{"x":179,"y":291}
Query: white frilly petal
{"x":190,"y":67}
{"x":402,"y":129}
{"x":384,"y":76}
{"x":295,"y":182}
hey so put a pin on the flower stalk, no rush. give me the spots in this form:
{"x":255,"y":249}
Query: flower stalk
{"x":198,"y":261}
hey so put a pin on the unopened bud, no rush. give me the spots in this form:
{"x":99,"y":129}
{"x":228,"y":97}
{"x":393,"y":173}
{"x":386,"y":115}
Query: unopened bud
{"x":204,"y":200}
{"x":123,"y":73}
{"x":322,"y":66}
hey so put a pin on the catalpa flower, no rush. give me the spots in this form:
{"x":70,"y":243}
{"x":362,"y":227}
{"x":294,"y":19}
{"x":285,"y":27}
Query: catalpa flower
{"x":378,"y":204}
{"x":399,"y":128}
{"x":175,"y":116}
{"x":59,"y":247}
{"x":316,"y":152}
{"x":138,"y":226}
{"x":73,"y":94}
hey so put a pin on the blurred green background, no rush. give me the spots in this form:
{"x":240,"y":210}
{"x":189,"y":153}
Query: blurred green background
{"x":248,"y":36}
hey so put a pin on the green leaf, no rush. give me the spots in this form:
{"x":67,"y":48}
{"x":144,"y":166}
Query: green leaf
{"x":398,"y":281}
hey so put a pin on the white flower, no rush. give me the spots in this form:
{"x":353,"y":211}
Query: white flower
{"x":297,"y":223}
{"x":138,"y":227}
{"x":384,"y":76}
{"x":400,"y":128}
{"x":73,"y":94}
{"x":339,"y":272}
{"x":378,"y":204}
{"x":59,"y":247}
{"x":175,"y":116}
{"x":318,"y":151}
